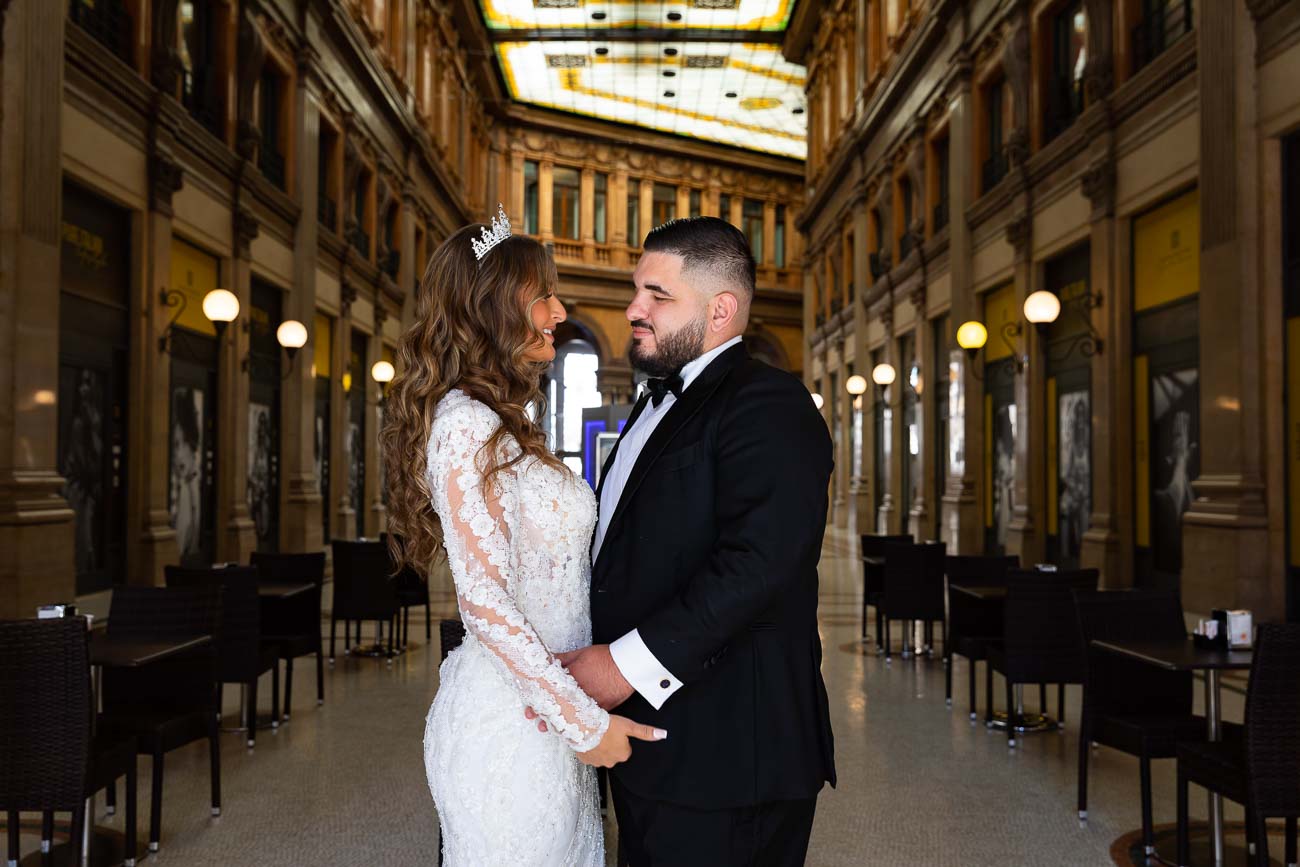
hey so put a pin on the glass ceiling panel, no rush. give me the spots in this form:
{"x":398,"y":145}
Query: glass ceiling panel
{"x":770,"y":15}
{"x":739,"y":94}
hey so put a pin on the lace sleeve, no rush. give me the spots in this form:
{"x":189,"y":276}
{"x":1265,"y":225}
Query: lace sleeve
{"x":479,"y":530}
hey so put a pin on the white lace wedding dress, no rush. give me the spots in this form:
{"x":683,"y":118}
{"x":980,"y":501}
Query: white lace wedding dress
{"x":506,"y":793}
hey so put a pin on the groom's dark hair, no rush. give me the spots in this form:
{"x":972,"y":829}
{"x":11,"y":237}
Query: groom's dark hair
{"x":707,"y":243}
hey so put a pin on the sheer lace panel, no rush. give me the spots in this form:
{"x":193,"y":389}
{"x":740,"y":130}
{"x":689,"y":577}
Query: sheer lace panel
{"x":481,"y":531}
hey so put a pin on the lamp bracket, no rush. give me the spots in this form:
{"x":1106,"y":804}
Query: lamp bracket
{"x":170,"y":298}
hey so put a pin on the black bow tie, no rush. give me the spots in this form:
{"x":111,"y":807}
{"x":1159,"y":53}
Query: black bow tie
{"x":659,"y":388}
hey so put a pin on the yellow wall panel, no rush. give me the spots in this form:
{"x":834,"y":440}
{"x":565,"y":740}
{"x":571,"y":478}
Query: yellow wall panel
{"x":1000,"y":308}
{"x":195,"y":274}
{"x":1166,"y":252}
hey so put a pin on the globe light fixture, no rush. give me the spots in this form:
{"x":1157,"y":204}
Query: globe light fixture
{"x":817,"y":400}
{"x":857,"y":385}
{"x":1042,"y":308}
{"x":883,"y":374}
{"x":382,"y":372}
{"x":222,"y":308}
{"x":971,"y":336}
{"x":292,"y":335}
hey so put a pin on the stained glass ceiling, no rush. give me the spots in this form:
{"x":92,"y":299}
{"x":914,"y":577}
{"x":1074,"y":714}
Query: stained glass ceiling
{"x":708,"y":69}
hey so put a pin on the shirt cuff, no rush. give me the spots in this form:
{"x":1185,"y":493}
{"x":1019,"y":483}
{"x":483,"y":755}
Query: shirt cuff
{"x":640,"y":668}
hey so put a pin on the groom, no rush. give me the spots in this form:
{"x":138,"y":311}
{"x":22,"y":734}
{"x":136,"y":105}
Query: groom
{"x":704,"y":583}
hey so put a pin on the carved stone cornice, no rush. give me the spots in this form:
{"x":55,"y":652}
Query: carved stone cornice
{"x":1018,"y":231}
{"x":165,"y":178}
{"x":246,"y":228}
{"x":347,"y":296}
{"x":1098,"y":183}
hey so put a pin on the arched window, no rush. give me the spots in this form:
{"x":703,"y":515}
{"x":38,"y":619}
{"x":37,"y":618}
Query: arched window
{"x":572,"y":388}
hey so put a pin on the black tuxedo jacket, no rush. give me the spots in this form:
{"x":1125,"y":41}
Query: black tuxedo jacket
{"x":712,"y":554}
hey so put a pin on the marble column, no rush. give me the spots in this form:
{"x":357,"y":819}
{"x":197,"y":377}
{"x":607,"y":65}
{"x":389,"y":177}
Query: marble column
{"x":1225,"y":532}
{"x":963,"y":529}
{"x":236,"y":533}
{"x":1107,"y":543}
{"x":617,"y":206}
{"x":545,"y":195}
{"x":301,"y":502}
{"x":338,"y":498}
{"x":862,"y":486}
{"x":647,"y":208}
{"x":373,"y":496}
{"x":587,"y":213}
{"x":923,"y":347}
{"x":36,"y":523}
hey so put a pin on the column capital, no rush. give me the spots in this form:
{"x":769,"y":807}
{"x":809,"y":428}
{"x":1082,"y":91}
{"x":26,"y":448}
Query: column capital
{"x":246,"y":228}
{"x":1018,"y":231}
{"x":1098,"y":183}
{"x":166,"y":177}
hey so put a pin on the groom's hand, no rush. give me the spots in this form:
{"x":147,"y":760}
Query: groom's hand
{"x":594,"y":670}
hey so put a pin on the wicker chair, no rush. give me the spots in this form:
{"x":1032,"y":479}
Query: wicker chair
{"x":242,"y":656}
{"x":411,"y":589}
{"x":913,"y":587}
{"x":873,"y":580}
{"x":168,"y":704}
{"x":294,"y":625}
{"x":1262,"y":769}
{"x":363,"y":590}
{"x":51,"y":762}
{"x":1135,"y":708}
{"x":972,"y":626}
{"x":1040,"y":637}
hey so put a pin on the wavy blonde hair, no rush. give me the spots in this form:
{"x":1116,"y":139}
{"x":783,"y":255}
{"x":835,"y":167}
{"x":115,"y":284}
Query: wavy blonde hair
{"x":472,"y":327}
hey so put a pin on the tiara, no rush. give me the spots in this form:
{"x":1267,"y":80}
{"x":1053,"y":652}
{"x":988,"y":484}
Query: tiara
{"x":499,"y":232}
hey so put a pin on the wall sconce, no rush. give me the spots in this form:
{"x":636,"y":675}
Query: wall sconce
{"x":883,"y":374}
{"x":972,"y":337}
{"x":220,"y":306}
{"x":382,"y":372}
{"x":1042,"y":308}
{"x":817,"y":401}
{"x":856,"y":385}
{"x":292,"y":335}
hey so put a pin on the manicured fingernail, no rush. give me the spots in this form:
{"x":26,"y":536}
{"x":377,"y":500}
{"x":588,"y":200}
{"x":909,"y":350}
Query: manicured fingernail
{"x":661,"y":735}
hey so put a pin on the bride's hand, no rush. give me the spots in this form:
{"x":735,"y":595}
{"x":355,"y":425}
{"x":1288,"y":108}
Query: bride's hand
{"x":616,"y":745}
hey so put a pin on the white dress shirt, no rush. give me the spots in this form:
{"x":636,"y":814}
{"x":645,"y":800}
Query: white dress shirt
{"x":635,"y":662}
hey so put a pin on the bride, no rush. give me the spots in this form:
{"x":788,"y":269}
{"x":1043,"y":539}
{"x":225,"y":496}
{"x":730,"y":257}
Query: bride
{"x":468,"y":469}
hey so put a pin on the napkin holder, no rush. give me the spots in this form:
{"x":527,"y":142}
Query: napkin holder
{"x":1218,"y":623}
{"x":1240,"y":629}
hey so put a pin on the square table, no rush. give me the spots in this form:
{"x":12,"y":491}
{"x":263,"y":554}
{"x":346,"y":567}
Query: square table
{"x":110,"y":652}
{"x":1185,"y":655}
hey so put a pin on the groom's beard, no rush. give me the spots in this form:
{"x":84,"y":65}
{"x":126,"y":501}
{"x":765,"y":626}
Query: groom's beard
{"x":674,"y":351}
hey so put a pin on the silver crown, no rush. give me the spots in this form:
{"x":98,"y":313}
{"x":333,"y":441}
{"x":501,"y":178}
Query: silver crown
{"x":499,"y":232}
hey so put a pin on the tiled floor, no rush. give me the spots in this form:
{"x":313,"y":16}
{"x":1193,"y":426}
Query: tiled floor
{"x":919,"y":784}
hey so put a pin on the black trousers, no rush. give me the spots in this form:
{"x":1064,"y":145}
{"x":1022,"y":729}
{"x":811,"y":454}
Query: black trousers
{"x":657,"y":834}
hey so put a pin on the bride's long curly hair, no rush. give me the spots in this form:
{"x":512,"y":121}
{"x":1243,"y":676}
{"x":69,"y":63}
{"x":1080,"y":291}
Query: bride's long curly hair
{"x":472,"y":327}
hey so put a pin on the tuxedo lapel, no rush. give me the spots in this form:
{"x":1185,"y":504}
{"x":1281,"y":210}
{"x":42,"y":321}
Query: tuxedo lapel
{"x":682,"y":411}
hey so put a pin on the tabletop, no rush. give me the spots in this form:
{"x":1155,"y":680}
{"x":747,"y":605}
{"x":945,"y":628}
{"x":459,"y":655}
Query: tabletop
{"x":1175,"y":655}
{"x":984,"y":594}
{"x":874,"y":561}
{"x":131,"y":653}
{"x":283,"y":591}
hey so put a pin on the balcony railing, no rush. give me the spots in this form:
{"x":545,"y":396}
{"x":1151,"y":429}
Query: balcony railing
{"x":941,"y":215}
{"x":994,"y":170}
{"x":105,"y":20}
{"x":568,"y":250}
{"x":1165,"y":26}
{"x":271,"y":164}
{"x":326,"y":212}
